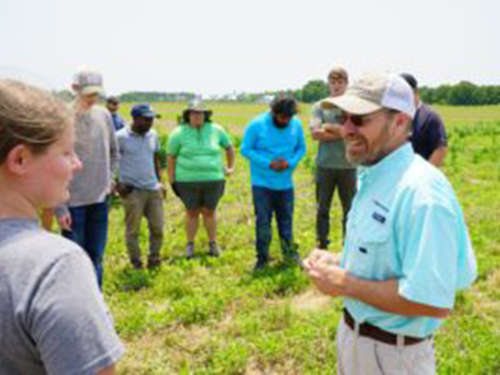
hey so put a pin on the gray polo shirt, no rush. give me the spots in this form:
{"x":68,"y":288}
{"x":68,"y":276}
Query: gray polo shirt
{"x":97,"y":148}
{"x":330,"y":154}
{"x":53,"y":319}
{"x":137,"y":153}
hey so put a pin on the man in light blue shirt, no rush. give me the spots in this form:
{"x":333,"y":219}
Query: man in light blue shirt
{"x":274,"y":144}
{"x":407,"y":250}
{"x":140,"y":184}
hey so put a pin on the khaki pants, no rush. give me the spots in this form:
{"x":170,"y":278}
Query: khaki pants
{"x":149,"y":204}
{"x":357,"y":355}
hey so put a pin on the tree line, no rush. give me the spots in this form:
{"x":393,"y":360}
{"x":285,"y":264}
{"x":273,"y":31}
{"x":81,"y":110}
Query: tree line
{"x":463,"y":93}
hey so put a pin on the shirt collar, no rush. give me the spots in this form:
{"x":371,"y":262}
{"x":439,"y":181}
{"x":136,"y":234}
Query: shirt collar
{"x":390,"y":165}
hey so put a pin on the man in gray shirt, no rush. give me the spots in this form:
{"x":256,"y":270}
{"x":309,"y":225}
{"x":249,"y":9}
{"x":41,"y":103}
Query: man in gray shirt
{"x":333,"y":170}
{"x":140,"y":184}
{"x":85,"y":219}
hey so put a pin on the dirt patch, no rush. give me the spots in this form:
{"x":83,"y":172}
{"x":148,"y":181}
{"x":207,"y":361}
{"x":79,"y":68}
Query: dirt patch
{"x":311,"y":301}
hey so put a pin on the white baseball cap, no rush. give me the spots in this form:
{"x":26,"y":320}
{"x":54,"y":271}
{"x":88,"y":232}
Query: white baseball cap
{"x":88,"y":82}
{"x":374,"y":91}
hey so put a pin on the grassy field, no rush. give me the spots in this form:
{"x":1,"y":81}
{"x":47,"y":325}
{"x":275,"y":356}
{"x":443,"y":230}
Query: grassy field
{"x":213,"y":316}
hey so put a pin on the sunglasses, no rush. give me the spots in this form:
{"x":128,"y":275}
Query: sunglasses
{"x":361,"y":120}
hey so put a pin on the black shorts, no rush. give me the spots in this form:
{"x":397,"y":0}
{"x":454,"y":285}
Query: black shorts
{"x":201,"y":194}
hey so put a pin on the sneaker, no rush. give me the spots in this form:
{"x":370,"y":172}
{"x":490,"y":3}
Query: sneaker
{"x":260,"y":265}
{"x":214,"y":249}
{"x":154,"y":263}
{"x":190,"y":250}
{"x":137,"y":264}
{"x":322,"y":245}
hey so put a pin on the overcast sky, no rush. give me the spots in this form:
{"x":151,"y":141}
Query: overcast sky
{"x":221,"y":46}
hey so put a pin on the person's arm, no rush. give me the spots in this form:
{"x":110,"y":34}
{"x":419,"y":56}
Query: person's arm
{"x":173,"y":150}
{"x":158,"y":168}
{"x":438,"y":156}
{"x":300,"y":149}
{"x":114,"y":151}
{"x":107,"y":371}
{"x":230,"y":157}
{"x":384,"y":295}
{"x":248,"y":148}
{"x":171,"y":168}
{"x":327,"y":133}
{"x":320,"y":130}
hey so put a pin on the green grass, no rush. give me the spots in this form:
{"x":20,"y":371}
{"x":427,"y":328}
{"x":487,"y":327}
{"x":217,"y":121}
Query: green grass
{"x":213,"y":316}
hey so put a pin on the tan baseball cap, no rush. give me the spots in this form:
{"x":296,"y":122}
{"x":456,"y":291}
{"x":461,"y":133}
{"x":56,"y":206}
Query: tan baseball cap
{"x":88,"y":82}
{"x":198,"y":105}
{"x":372,"y":92}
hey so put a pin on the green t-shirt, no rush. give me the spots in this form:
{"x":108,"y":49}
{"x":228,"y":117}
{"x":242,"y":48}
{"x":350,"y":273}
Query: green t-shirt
{"x":330,"y":154}
{"x":198,"y":152}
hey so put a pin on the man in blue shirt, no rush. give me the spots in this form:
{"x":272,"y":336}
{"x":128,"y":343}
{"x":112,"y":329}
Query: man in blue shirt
{"x":274,"y":144}
{"x":407,"y":250}
{"x":113,"y":104}
{"x":140,"y":184}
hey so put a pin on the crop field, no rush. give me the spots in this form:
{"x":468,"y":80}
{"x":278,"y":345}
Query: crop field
{"x":214,"y":316}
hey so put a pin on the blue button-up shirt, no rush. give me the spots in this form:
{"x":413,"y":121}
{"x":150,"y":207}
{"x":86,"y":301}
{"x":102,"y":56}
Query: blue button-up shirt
{"x":406,"y":223}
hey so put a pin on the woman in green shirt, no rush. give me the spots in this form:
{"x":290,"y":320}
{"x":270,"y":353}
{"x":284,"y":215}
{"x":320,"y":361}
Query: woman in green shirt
{"x":196,"y":170}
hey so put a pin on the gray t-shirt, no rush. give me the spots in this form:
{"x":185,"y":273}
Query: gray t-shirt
{"x":330,"y":154}
{"x":137,"y":159}
{"x":97,"y":148}
{"x":53,"y":319}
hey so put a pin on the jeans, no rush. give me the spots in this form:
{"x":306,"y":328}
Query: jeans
{"x":327,"y":181}
{"x":89,"y":229}
{"x":266,"y":202}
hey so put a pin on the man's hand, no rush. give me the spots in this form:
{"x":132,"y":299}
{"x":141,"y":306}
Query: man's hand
{"x":65,"y":222}
{"x":229,"y":171}
{"x":318,"y":256}
{"x":334,"y":129}
{"x":329,"y":279}
{"x":283,"y":164}
{"x":275,"y":165}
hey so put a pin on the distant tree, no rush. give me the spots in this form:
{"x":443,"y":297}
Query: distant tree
{"x":465,"y":93}
{"x":312,"y":91}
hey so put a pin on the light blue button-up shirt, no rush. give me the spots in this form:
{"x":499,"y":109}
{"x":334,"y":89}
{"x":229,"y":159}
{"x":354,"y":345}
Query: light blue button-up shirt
{"x":406,"y":223}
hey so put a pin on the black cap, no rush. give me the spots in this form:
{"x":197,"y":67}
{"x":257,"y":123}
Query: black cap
{"x":113,"y":100}
{"x":411,"y":80}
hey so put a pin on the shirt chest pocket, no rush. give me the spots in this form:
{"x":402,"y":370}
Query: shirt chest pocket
{"x":369,"y":242}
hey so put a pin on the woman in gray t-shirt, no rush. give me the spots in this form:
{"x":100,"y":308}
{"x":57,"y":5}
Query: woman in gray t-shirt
{"x":54,"y":319}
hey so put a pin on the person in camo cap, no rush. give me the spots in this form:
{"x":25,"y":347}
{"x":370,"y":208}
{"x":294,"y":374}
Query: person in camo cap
{"x":84,"y":218}
{"x":196,"y":170}
{"x":407,"y":250}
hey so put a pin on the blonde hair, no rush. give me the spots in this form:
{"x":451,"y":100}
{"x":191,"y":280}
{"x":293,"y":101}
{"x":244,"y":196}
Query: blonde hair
{"x":30,"y":116}
{"x":338,"y":73}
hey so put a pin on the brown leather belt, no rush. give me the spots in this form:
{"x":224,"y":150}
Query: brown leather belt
{"x":375,"y":333}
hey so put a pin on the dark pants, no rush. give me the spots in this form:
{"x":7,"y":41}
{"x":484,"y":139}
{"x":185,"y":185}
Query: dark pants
{"x":89,"y":229}
{"x":266,"y":202}
{"x":327,"y":181}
